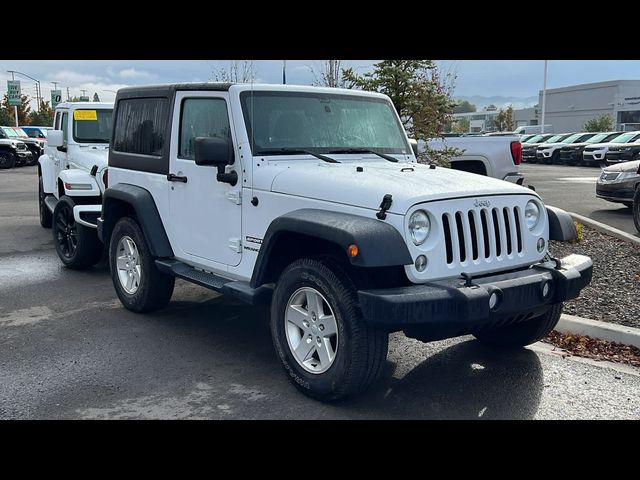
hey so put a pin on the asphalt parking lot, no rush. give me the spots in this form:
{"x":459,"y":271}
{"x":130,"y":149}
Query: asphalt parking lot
{"x":574,"y":189}
{"x":69,"y":350}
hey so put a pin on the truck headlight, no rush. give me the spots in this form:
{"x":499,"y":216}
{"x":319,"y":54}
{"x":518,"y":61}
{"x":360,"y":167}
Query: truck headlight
{"x":419,"y":227}
{"x":531,"y":214}
{"x":626,"y":175}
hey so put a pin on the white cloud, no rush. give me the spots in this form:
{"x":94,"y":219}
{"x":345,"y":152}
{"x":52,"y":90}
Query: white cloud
{"x":69,"y":76}
{"x":133,"y":73}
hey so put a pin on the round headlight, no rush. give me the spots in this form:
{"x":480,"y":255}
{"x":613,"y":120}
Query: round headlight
{"x":531,"y":214}
{"x":419,"y":227}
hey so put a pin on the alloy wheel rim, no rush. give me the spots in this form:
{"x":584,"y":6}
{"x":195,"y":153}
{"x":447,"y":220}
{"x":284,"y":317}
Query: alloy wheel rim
{"x":66,"y":232}
{"x":311,"y":330}
{"x":128,"y":265}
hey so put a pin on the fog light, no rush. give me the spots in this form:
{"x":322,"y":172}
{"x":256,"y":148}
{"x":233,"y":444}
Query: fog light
{"x":494,"y":300}
{"x":421,"y":263}
{"x":546,"y":289}
{"x":541,"y":244}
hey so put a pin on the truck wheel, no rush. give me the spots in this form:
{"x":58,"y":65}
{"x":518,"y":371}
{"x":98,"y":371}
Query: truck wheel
{"x":7,"y":160}
{"x":326,"y":348}
{"x":32,"y":161}
{"x":139,"y":284}
{"x":635,"y":209}
{"x":45,"y":213}
{"x":554,"y":158}
{"x":523,"y":333}
{"x":77,"y":246}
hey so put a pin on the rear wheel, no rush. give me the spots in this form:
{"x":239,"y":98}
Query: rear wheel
{"x":523,"y":333}
{"x":7,"y":160}
{"x":327,"y":349}
{"x":77,"y":246}
{"x":45,"y":213}
{"x":636,"y":208}
{"x":140,"y":286}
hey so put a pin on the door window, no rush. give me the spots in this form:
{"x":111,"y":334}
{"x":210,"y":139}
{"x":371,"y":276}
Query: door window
{"x":202,"y":117}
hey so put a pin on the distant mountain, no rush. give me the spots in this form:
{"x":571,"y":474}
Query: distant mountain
{"x":481,"y":101}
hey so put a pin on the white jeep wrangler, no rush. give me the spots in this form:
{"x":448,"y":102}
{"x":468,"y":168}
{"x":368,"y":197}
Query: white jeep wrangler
{"x":72,"y":175}
{"x":311,"y":199}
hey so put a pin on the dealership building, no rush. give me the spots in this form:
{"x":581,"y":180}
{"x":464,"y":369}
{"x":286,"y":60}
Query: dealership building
{"x":568,"y":108}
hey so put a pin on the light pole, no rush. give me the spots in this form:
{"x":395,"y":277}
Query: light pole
{"x":38,"y":90}
{"x":544,"y":96}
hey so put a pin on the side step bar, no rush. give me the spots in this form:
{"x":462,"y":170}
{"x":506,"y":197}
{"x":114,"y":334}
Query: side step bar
{"x":50,"y":201}
{"x":235,"y":288}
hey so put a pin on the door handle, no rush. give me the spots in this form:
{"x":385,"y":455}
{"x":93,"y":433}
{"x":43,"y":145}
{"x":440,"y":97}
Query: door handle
{"x":176,"y":178}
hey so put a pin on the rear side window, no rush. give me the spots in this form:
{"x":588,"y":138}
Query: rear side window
{"x":202,"y":117}
{"x":140,"y":126}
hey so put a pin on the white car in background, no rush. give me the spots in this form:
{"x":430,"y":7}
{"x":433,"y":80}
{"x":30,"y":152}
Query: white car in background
{"x":550,"y":152}
{"x":596,"y":154}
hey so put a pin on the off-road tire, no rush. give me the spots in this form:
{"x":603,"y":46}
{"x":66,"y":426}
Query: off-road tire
{"x":635,"y":208}
{"x":522,"y":333}
{"x":45,"y":214}
{"x":362,"y":348}
{"x":77,"y":246}
{"x":7,"y":160}
{"x":156,"y":288}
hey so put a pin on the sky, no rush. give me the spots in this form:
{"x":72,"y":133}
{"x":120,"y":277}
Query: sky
{"x":507,"y":78}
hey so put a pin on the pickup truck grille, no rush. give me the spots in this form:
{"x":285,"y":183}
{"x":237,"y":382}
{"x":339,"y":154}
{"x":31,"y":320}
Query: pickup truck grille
{"x":21,"y":146}
{"x":479,"y":235}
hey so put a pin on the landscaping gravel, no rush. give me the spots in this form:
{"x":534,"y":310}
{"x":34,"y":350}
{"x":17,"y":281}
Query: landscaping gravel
{"x":614,"y":293}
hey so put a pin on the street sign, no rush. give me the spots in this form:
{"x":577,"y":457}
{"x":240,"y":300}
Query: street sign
{"x":56,"y":97}
{"x":13,"y":92}
{"x":84,"y":98}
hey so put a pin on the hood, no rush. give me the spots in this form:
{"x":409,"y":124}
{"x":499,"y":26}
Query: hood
{"x":408,"y":183}
{"x":87,"y":157}
{"x":623,"y":145}
{"x":549,"y":145}
{"x":624,"y":167}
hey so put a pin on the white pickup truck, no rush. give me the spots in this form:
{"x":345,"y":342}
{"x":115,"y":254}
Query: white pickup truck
{"x":494,"y":156}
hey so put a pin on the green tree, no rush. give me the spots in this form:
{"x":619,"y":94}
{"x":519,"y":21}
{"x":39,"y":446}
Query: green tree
{"x":601,"y":123}
{"x":504,"y":120}
{"x":419,"y":95}
{"x":461,"y":125}
{"x":44,"y":117}
{"x":23,"y":111}
{"x":464,"y":107}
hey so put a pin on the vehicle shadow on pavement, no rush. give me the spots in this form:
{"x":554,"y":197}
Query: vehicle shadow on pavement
{"x":464,"y":381}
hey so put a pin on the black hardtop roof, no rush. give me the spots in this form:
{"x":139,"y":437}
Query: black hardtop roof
{"x":168,"y":89}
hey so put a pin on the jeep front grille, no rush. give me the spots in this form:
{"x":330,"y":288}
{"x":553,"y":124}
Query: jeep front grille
{"x":480,"y":235}
{"x":21,"y":146}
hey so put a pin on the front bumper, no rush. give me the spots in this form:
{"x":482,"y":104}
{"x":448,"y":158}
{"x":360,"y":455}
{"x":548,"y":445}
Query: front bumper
{"x":23,"y":156}
{"x":448,"y":308}
{"x":617,"y":192}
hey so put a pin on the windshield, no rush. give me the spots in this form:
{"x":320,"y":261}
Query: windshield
{"x":556,"y":138}
{"x":20,"y":132}
{"x":321,"y":122}
{"x":9,"y":132}
{"x":36,"y":133}
{"x":92,"y":126}
{"x":534,"y":139}
{"x":626,"y":137}
{"x":601,"y":137}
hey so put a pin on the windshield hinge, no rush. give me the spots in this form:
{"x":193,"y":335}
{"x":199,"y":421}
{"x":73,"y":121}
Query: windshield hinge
{"x":235,"y":244}
{"x":385,"y":205}
{"x":235,"y":196}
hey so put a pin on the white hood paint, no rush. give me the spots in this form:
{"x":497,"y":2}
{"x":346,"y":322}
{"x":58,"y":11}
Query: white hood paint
{"x":86,"y":157}
{"x":341,"y":183}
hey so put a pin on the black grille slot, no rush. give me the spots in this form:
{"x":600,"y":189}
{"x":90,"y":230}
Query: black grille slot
{"x":447,"y":238}
{"x":496,"y":231}
{"x":507,"y":230}
{"x":463,"y":250}
{"x":518,"y":231}
{"x":474,"y":235}
{"x":485,"y":233}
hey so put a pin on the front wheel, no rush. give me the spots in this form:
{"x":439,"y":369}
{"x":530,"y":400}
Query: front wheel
{"x":77,"y":246}
{"x":45,"y":214}
{"x":7,"y":160}
{"x":635,"y":208}
{"x":522,"y":333}
{"x":326,"y":347}
{"x":140,"y":286}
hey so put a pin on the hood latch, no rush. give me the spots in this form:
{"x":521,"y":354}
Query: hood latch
{"x":385,"y":205}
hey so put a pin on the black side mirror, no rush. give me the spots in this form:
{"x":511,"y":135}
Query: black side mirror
{"x":216,"y":152}
{"x":414,"y":146}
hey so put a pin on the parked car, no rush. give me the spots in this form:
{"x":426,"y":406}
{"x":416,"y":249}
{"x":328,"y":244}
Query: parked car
{"x":235,"y":188}
{"x":35,"y":146}
{"x":530,"y":147}
{"x":72,"y":176}
{"x":493,"y":156}
{"x":595,"y":155}
{"x":572,"y":154}
{"x":618,"y":183}
{"x":533,"y":129}
{"x":635,"y":209}
{"x":549,"y":152}
{"x":624,"y":152}
{"x":36,"y":132}
{"x":13,"y":152}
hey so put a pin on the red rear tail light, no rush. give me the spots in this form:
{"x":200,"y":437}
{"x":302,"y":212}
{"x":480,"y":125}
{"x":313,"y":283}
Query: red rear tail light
{"x":105,"y":178}
{"x":516,"y":152}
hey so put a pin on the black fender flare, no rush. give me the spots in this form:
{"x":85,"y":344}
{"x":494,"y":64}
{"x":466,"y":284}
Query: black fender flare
{"x":561,"y":226}
{"x":141,"y":202}
{"x":379,"y":243}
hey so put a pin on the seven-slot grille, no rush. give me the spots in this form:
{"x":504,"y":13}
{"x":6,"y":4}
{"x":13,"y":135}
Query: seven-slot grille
{"x":21,"y":146}
{"x":476,"y":235}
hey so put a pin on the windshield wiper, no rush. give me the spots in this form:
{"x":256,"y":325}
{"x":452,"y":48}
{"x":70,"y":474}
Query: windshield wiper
{"x":364,"y":150}
{"x":294,"y":151}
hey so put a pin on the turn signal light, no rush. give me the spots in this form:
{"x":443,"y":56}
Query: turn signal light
{"x":352,"y":250}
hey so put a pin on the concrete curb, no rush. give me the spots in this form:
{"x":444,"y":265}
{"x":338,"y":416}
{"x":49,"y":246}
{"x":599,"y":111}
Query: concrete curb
{"x":602,"y":330}
{"x":601,"y":227}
